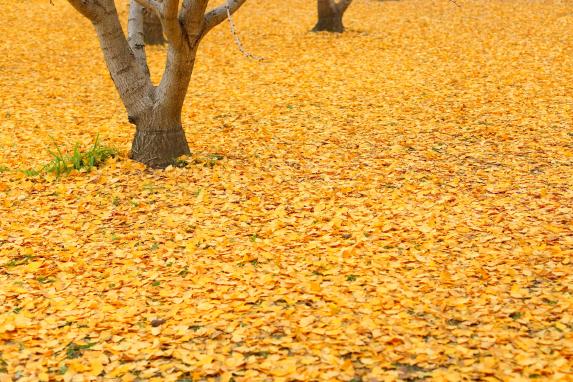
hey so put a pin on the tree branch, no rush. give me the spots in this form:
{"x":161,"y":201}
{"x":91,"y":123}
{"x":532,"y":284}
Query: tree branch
{"x":88,"y":8}
{"x":154,"y":5}
{"x":135,"y":34}
{"x":217,"y":15}
{"x":133,"y":85}
{"x":181,"y":58}
{"x":176,"y":77}
{"x":342,"y":5}
{"x":170,"y":22}
{"x":191,"y":17}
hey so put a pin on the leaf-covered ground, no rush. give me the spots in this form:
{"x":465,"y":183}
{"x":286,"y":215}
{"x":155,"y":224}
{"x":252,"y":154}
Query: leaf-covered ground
{"x":392,"y":203}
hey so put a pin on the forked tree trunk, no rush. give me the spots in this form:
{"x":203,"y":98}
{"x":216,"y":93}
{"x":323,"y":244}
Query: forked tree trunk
{"x":330,"y":15}
{"x":154,"y":110}
{"x":152,"y":29}
{"x":159,"y":136}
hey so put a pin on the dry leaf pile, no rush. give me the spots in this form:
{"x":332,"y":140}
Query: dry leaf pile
{"x":391,"y":203}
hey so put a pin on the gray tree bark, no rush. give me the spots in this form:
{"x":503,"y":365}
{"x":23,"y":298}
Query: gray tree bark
{"x":154,"y":110}
{"x":330,"y":15}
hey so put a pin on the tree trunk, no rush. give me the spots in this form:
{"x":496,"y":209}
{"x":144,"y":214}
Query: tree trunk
{"x":331,"y":23}
{"x":330,"y":15}
{"x":154,"y":110}
{"x":159,"y":137}
{"x":158,"y":144}
{"x":329,"y":20}
{"x":152,"y":29}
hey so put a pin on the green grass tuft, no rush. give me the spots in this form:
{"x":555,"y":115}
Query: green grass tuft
{"x":63,"y":164}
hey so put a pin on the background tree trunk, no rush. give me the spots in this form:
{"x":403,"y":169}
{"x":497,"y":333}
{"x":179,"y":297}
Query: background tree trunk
{"x":330,"y":15}
{"x":152,"y":29}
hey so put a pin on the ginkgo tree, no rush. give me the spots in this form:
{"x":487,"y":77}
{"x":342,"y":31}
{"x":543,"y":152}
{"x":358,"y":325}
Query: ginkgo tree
{"x":154,"y":110}
{"x":330,"y":14}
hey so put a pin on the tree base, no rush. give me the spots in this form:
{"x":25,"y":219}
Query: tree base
{"x":329,"y":24}
{"x":159,"y":148}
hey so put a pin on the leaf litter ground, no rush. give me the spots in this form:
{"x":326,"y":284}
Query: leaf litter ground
{"x":392,"y":203}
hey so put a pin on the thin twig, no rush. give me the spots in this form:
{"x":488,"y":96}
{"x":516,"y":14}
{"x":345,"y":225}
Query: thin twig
{"x":236,"y":37}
